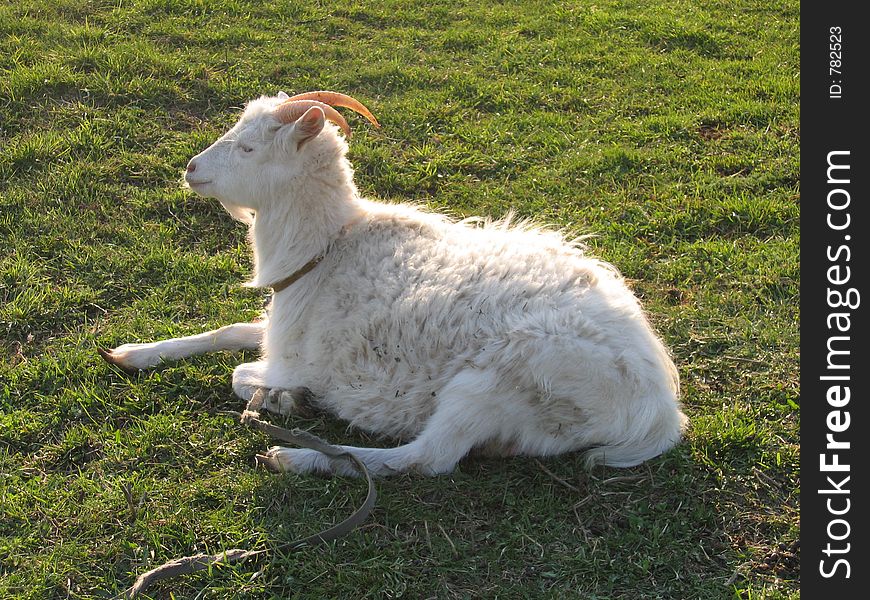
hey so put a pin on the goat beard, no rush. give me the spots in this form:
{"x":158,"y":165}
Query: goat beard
{"x":239,"y":213}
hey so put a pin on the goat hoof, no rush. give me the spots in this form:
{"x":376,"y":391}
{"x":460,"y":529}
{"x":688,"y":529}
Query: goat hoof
{"x":269,"y":462}
{"x":113,"y":360}
{"x":295,"y":460}
{"x":295,"y":401}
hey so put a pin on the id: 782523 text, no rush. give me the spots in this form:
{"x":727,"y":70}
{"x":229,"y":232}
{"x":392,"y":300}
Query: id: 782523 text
{"x":835,"y":62}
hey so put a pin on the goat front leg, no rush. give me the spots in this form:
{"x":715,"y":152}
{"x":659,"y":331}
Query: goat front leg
{"x":134,"y":357}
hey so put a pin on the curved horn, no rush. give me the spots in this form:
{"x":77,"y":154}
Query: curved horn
{"x":337,"y":99}
{"x":290,"y":110}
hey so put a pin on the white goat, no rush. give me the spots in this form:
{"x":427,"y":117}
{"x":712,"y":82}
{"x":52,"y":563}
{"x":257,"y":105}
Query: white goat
{"x":447,"y":335}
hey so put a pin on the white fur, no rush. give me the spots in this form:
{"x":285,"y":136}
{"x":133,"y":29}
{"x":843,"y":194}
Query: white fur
{"x":447,"y":335}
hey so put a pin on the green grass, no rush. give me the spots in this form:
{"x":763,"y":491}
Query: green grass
{"x":670,"y":131}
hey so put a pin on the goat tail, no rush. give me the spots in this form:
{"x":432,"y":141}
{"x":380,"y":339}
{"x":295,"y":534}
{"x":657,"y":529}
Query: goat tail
{"x":658,"y":440}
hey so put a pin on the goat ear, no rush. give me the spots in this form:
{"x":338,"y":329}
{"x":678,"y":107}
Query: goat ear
{"x":283,"y":96}
{"x":308,"y":126}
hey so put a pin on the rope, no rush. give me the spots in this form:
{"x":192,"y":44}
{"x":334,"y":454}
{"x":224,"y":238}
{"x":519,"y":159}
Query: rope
{"x":297,"y":437}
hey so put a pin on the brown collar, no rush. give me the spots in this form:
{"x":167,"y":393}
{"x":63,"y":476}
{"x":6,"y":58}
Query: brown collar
{"x":283,"y":284}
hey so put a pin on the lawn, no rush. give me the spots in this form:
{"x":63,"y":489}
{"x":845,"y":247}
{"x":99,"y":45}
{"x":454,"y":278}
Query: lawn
{"x":669,"y":131}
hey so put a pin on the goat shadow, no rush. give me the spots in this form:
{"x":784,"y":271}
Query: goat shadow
{"x":534,"y":524}
{"x":672,"y":526}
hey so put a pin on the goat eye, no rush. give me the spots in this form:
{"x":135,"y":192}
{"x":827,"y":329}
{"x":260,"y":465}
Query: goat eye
{"x":246,"y":149}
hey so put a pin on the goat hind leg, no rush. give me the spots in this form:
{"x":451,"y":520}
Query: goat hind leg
{"x":466,"y":417}
{"x":133,"y":357}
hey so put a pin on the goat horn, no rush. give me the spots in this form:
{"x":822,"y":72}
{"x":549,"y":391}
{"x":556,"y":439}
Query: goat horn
{"x":337,"y":99}
{"x":290,"y":110}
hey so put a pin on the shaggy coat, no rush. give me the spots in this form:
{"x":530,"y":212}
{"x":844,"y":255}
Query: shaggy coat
{"x":447,"y":336}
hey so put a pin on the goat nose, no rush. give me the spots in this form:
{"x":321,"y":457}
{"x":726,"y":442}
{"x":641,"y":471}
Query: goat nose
{"x":191,"y":167}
